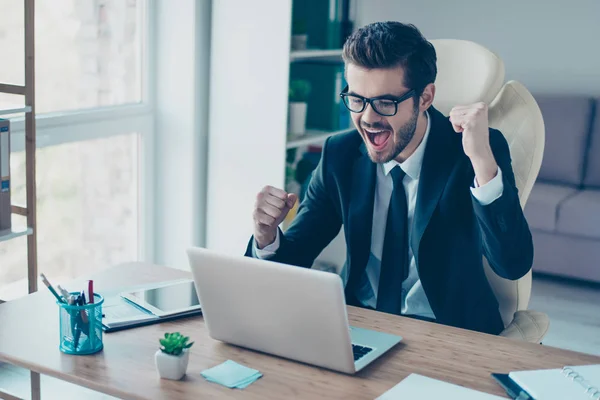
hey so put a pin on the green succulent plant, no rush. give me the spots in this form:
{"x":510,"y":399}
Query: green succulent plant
{"x":174,"y":343}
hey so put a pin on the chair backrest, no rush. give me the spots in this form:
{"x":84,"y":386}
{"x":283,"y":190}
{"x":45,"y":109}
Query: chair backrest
{"x":468,"y":73}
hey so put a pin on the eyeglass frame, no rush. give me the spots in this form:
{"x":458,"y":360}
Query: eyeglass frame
{"x":367,"y":100}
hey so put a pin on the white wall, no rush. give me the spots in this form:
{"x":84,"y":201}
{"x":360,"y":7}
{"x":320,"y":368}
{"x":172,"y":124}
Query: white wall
{"x":248,"y":114}
{"x":549,"y":46}
{"x":181,"y":62}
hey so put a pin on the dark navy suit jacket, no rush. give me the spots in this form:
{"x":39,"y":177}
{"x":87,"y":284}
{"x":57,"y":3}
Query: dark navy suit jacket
{"x":451,"y":229}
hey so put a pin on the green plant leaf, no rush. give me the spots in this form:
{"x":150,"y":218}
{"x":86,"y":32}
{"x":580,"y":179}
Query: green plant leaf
{"x":174,"y":343}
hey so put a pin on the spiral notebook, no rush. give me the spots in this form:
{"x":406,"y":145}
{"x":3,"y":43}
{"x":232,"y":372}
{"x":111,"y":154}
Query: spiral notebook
{"x":573,"y":383}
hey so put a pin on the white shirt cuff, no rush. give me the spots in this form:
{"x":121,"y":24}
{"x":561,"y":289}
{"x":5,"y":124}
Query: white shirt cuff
{"x":268,"y":251}
{"x":489,"y":192}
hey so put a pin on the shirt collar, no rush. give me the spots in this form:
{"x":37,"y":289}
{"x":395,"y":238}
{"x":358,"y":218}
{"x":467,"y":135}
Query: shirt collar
{"x":412,"y":165}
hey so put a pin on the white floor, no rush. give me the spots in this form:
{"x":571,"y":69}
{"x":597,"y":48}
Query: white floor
{"x":573,"y":308}
{"x":574,"y":311}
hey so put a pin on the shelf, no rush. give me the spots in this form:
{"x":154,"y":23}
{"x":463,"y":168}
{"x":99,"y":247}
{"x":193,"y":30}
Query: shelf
{"x":312,"y":137}
{"x":316,"y":54}
{"x":14,"y":232}
{"x":14,"y":109}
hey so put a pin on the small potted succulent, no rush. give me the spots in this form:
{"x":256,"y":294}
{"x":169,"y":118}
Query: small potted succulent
{"x":173,"y":356}
{"x":298,"y":106}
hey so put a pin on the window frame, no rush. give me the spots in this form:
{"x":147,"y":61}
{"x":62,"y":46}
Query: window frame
{"x":81,"y":125}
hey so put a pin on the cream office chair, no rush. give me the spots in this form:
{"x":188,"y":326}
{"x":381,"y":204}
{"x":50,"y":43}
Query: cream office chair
{"x":469,"y":73}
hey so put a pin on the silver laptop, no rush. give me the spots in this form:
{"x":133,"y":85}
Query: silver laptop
{"x":287,"y":311}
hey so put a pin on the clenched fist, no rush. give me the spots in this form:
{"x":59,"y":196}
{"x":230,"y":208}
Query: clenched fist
{"x":272,"y":206}
{"x":472,"y":121}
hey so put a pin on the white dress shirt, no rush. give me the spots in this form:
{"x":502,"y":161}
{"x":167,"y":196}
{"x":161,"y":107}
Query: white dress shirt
{"x":414,"y":300}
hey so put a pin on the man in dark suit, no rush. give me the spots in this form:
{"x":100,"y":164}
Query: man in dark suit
{"x":422,"y":197}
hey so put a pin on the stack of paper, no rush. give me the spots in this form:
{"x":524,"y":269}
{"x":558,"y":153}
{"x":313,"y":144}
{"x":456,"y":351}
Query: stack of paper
{"x":231,"y":374}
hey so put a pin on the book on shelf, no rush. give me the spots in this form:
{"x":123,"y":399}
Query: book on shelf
{"x":5,"y":206}
{"x":325,"y":22}
{"x":326,"y":110}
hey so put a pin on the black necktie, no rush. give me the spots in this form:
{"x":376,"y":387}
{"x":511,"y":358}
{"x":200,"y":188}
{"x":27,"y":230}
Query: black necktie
{"x":394,"y":260}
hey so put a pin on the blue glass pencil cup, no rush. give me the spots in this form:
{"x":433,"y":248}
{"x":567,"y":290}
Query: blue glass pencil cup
{"x":81,"y":327}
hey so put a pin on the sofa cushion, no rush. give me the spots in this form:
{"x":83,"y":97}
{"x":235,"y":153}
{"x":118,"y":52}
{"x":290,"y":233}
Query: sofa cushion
{"x":580,"y":215}
{"x":592,"y":170}
{"x":567,"y":120}
{"x":542,"y":205}
{"x":568,"y":256}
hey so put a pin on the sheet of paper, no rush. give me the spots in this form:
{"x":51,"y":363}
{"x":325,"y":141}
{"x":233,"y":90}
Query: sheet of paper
{"x":417,"y":386}
{"x":119,"y":312}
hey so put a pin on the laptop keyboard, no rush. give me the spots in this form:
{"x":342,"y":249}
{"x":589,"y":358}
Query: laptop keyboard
{"x":360,"y":351}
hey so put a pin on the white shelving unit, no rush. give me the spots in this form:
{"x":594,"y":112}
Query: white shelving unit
{"x":17,"y":229}
{"x":28,"y":212}
{"x":313,"y":136}
{"x":10,"y":110}
{"x":20,"y":228}
{"x":14,"y":233}
{"x":316,"y":54}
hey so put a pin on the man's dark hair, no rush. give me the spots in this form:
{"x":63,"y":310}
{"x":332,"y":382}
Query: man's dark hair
{"x":393,"y":44}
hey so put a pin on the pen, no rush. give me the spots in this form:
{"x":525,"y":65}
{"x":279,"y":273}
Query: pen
{"x":91,"y":292}
{"x":49,"y":286}
{"x":75,"y":322}
{"x":84,"y":317}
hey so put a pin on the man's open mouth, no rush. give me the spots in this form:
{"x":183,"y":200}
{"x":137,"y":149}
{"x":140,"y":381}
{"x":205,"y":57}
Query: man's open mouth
{"x":378,"y":137}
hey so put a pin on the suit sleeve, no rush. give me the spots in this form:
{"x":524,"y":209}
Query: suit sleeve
{"x":507,"y":242}
{"x":318,"y":221}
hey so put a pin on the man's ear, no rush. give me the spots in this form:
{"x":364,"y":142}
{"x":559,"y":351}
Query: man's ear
{"x":427,"y":97}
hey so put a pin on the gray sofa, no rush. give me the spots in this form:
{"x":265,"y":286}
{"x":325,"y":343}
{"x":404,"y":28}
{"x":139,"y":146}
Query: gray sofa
{"x":563,"y":210}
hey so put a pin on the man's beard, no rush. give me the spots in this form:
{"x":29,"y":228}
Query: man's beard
{"x":402,"y":137}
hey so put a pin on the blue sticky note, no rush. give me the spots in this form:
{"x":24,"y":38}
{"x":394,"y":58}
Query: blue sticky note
{"x":231,"y":374}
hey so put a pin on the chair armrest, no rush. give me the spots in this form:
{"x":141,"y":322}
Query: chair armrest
{"x":528,"y":325}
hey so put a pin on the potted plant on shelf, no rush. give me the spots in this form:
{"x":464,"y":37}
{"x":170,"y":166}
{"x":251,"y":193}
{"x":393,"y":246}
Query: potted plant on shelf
{"x":298,"y":96}
{"x":173,"y":356}
{"x":299,"y":35}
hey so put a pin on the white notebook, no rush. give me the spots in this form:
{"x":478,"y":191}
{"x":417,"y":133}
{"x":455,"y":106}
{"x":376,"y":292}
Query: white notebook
{"x":420,"y":387}
{"x":573,"y":383}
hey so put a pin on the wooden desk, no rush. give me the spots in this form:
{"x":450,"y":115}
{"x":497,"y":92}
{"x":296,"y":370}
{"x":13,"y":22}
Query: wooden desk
{"x":125,"y":368}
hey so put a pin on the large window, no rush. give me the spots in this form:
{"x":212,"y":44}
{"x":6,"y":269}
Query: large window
{"x":88,"y":53}
{"x":95,"y":135}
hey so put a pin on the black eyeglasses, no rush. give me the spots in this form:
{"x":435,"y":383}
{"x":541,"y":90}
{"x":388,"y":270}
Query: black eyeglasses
{"x":386,"y":106}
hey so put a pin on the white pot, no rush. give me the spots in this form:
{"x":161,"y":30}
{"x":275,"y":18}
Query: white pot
{"x":299,"y":42}
{"x":297,"y":118}
{"x":171,"y":367}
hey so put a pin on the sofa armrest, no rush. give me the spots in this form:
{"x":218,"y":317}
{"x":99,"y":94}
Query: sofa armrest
{"x":528,"y":325}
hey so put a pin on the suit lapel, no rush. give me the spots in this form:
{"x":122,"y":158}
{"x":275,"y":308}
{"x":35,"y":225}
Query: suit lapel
{"x":360,"y":216}
{"x":438,"y":162}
